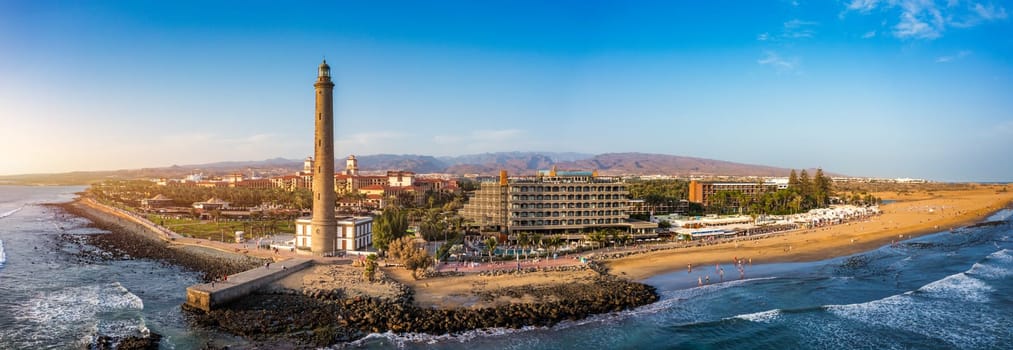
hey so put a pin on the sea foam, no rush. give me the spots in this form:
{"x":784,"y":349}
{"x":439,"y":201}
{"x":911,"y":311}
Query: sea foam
{"x":954,"y":308}
{"x":11,"y":212}
{"x":401,"y":340}
{"x":3,"y":254}
{"x":74,"y":312}
{"x":762,"y":316}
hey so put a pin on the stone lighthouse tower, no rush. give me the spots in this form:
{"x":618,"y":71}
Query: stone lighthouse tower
{"x":324,"y":226}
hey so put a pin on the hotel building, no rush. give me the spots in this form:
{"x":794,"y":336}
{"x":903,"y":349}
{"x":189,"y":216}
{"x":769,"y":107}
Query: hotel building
{"x":553,"y":203}
{"x":701,"y":192}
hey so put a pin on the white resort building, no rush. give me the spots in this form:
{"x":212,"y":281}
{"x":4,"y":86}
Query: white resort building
{"x":353,"y":233}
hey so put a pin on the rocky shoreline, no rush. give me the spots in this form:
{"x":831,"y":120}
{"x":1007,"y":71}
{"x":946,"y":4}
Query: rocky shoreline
{"x":314,"y":318}
{"x":321,"y":319}
{"x":123,"y":242}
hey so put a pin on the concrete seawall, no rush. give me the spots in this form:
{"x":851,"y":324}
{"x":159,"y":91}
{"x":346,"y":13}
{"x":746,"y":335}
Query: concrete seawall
{"x":206,"y":296}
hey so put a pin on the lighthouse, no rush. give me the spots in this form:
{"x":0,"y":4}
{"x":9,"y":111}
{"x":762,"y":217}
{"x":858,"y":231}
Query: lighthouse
{"x":324,"y":226}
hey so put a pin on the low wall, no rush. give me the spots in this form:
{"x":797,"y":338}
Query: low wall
{"x":206,"y":296}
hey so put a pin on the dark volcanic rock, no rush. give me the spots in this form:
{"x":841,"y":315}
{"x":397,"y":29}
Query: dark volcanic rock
{"x":322,"y":321}
{"x":123,"y":243}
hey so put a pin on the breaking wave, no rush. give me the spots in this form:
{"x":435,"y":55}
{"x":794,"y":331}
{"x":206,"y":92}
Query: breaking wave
{"x":11,"y":212}
{"x":73,"y":313}
{"x":954,"y":309}
{"x":762,"y":316}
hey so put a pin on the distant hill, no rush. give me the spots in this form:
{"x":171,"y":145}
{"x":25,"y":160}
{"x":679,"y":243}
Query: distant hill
{"x":646,"y":164}
{"x":416,"y":163}
{"x":516,"y":163}
{"x":505,"y":157}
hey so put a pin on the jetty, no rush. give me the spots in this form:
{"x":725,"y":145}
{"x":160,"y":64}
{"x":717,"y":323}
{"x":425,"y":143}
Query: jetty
{"x":206,"y":296}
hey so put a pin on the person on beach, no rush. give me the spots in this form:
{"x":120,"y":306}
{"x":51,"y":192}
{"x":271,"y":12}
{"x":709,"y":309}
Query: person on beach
{"x":689,"y":268}
{"x":699,"y":281}
{"x":708,"y":279}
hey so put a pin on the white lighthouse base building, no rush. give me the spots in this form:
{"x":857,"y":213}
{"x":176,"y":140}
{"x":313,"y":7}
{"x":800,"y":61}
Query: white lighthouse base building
{"x":353,"y":233}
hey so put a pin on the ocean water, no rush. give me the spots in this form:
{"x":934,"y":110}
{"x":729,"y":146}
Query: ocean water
{"x":941,"y":291}
{"x":52,"y":299}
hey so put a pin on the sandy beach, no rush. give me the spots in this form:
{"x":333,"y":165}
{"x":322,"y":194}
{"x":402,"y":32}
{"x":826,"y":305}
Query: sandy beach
{"x":909,"y":215}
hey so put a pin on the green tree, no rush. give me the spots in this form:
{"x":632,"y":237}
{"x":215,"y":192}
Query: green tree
{"x":598,"y":237}
{"x":390,"y":225}
{"x":523,"y":239}
{"x":554,"y":242}
{"x":490,"y":246}
{"x":369,"y":272}
{"x":823,"y":188}
{"x":805,"y":189}
{"x":403,"y":250}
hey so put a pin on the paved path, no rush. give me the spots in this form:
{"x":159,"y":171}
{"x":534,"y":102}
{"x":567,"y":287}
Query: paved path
{"x":206,"y":296}
{"x":282,"y":267}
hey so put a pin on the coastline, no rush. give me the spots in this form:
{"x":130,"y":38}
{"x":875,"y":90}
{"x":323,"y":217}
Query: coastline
{"x":538,"y":298}
{"x":131,"y":239}
{"x":911,"y":215}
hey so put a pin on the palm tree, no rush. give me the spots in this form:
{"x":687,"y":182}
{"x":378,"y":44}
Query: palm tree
{"x":537,"y":241}
{"x":554,"y":242}
{"x":625,"y":238}
{"x":490,"y":246}
{"x":611,"y":235}
{"x":523,"y":239}
{"x":598,"y":237}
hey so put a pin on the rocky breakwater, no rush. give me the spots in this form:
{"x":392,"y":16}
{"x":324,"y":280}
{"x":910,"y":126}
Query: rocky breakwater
{"x":324,"y":318}
{"x":127,"y":241}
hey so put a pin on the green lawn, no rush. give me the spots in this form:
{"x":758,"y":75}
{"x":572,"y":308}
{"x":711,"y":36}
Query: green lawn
{"x":216,"y":231}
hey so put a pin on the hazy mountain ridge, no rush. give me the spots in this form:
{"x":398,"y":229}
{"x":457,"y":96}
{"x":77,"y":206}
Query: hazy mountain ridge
{"x":515,"y":163}
{"x":647,"y":164}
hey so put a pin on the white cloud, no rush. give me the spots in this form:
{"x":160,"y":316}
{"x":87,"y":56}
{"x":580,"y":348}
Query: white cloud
{"x":863,"y":5}
{"x":919,"y":19}
{"x":869,"y":34}
{"x":793,"y":29}
{"x":797,"y":28}
{"x":771,"y":58}
{"x":927,"y":20}
{"x":990,"y":13}
{"x":951,"y":58}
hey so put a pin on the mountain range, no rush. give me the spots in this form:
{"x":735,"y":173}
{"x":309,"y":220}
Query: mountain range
{"x":515,"y":163}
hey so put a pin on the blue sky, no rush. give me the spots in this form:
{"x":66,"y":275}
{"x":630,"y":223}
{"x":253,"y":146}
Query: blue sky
{"x":896,"y":88}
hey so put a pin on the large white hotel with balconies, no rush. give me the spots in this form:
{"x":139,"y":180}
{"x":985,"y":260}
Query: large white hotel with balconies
{"x":553,"y":202}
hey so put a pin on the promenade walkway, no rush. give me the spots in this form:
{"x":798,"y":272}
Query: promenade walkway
{"x":173,"y":237}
